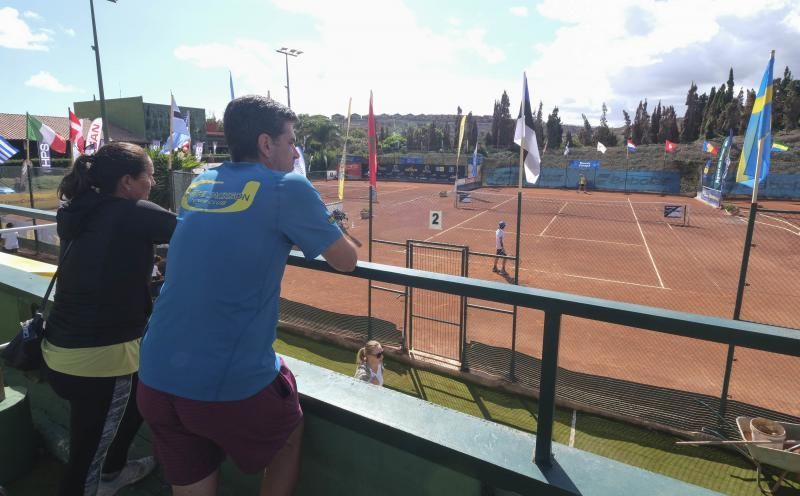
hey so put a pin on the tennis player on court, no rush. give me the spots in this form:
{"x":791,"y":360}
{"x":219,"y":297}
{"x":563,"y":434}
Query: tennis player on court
{"x":499,"y":236}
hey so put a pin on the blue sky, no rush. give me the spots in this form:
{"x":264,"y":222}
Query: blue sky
{"x":418,"y":56}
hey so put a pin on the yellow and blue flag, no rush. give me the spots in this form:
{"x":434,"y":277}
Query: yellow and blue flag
{"x":777,"y":147}
{"x":759,"y":132}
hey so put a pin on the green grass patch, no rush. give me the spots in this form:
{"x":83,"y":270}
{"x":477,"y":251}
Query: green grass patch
{"x":716,"y":469}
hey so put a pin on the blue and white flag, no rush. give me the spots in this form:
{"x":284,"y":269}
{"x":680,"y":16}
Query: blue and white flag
{"x":473,"y":170}
{"x":6,"y":150}
{"x":300,"y":162}
{"x":179,"y":125}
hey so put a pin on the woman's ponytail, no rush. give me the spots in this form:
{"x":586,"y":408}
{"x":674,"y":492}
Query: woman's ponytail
{"x":103,"y":170}
{"x":78,"y":180}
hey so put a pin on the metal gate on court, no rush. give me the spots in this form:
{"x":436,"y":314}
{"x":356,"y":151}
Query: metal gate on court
{"x":437,"y":321}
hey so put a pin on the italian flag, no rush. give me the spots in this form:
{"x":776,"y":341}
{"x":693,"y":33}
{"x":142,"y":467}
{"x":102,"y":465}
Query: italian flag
{"x":43,"y":134}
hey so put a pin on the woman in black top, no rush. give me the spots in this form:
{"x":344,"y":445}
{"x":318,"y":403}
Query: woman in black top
{"x":102,"y":302}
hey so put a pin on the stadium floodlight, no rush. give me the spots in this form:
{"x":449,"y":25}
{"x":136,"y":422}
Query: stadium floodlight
{"x":286,"y":53}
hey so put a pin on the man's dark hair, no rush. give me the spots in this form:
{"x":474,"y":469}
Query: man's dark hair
{"x":248,"y":117}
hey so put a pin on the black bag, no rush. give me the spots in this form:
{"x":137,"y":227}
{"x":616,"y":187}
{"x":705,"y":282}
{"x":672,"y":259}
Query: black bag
{"x":24,"y":352}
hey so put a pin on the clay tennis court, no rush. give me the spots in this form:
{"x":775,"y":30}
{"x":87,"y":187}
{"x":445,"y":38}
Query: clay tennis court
{"x":608,"y":245}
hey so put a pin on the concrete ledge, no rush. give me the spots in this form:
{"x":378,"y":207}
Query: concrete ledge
{"x":491,"y":456}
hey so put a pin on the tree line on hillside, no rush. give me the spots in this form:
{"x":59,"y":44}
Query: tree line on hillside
{"x":708,"y":115}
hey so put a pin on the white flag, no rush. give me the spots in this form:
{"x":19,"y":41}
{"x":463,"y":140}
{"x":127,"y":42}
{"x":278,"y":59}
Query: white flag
{"x":601,"y":147}
{"x":525,"y":136}
{"x":300,"y":162}
{"x":198,"y":151}
{"x":93,"y":141}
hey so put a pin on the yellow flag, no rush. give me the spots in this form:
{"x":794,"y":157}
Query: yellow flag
{"x":344,"y":153}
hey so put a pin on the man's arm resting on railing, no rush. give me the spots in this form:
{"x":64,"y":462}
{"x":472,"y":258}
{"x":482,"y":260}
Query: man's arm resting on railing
{"x":341,"y":255}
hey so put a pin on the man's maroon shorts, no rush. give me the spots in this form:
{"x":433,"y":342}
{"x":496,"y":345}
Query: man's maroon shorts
{"x":191,"y":438}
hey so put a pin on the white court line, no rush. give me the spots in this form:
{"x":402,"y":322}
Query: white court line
{"x":398,"y":190}
{"x":510,"y":233}
{"x":408,"y":201}
{"x":796,"y":233}
{"x":471,"y":218}
{"x":593,"y":278}
{"x":592,"y":240}
{"x":708,"y":274}
{"x":572,"y":429}
{"x":554,"y":218}
{"x":600,"y":279}
{"x":645,"y":243}
{"x":781,"y":220}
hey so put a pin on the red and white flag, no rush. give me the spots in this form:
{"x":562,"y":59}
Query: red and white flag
{"x":670,"y":146}
{"x":76,"y":134}
{"x":372,"y":139}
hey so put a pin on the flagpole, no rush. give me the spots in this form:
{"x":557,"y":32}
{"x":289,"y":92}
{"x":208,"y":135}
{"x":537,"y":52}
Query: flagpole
{"x":521,"y":152}
{"x":627,"y":166}
{"x":29,"y":169}
{"x":171,"y":140}
{"x":748,"y":241}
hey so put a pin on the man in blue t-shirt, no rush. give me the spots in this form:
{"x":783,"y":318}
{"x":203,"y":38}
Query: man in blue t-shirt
{"x":211,"y":384}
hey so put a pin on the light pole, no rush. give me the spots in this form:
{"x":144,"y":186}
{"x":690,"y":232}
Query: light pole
{"x":96,"y":48}
{"x":294,"y":53}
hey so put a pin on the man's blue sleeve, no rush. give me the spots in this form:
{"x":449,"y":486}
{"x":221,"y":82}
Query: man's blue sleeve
{"x":303,"y":217}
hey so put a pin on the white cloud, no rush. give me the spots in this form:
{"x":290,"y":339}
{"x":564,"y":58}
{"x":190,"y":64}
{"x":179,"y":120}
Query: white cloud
{"x":519,"y":11}
{"x":653,"y":49}
{"x":46,"y":81}
{"x":69,"y":32}
{"x":410,"y":67}
{"x":15,"y":32}
{"x":29,"y":14}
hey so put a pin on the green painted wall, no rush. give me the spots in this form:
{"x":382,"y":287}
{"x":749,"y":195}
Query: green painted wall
{"x":13,"y":310}
{"x":127,"y":113}
{"x":145,"y":121}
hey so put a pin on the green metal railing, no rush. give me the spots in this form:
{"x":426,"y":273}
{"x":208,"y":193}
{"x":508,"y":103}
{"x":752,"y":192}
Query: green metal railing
{"x":555,"y":305}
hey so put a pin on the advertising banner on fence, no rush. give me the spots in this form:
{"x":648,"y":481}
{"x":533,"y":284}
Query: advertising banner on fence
{"x":584,"y":164}
{"x":711,"y":196}
{"x":352,"y":171}
{"x":442,"y":174}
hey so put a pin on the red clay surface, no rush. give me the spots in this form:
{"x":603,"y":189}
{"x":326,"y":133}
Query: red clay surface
{"x":607,"y":245}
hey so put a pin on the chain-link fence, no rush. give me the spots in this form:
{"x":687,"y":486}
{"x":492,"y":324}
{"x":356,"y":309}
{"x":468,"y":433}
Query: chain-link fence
{"x":669,"y":254}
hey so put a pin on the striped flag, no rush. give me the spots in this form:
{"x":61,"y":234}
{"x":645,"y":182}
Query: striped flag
{"x":6,"y":150}
{"x":343,"y":161}
{"x":631,"y":146}
{"x":460,"y":140}
{"x":777,"y":147}
{"x":44,"y":134}
{"x":723,"y":162}
{"x":76,"y":135}
{"x":759,"y":133}
{"x":525,"y":136}
{"x":372,"y":137}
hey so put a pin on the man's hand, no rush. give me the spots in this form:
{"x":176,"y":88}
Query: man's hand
{"x":341,"y":255}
